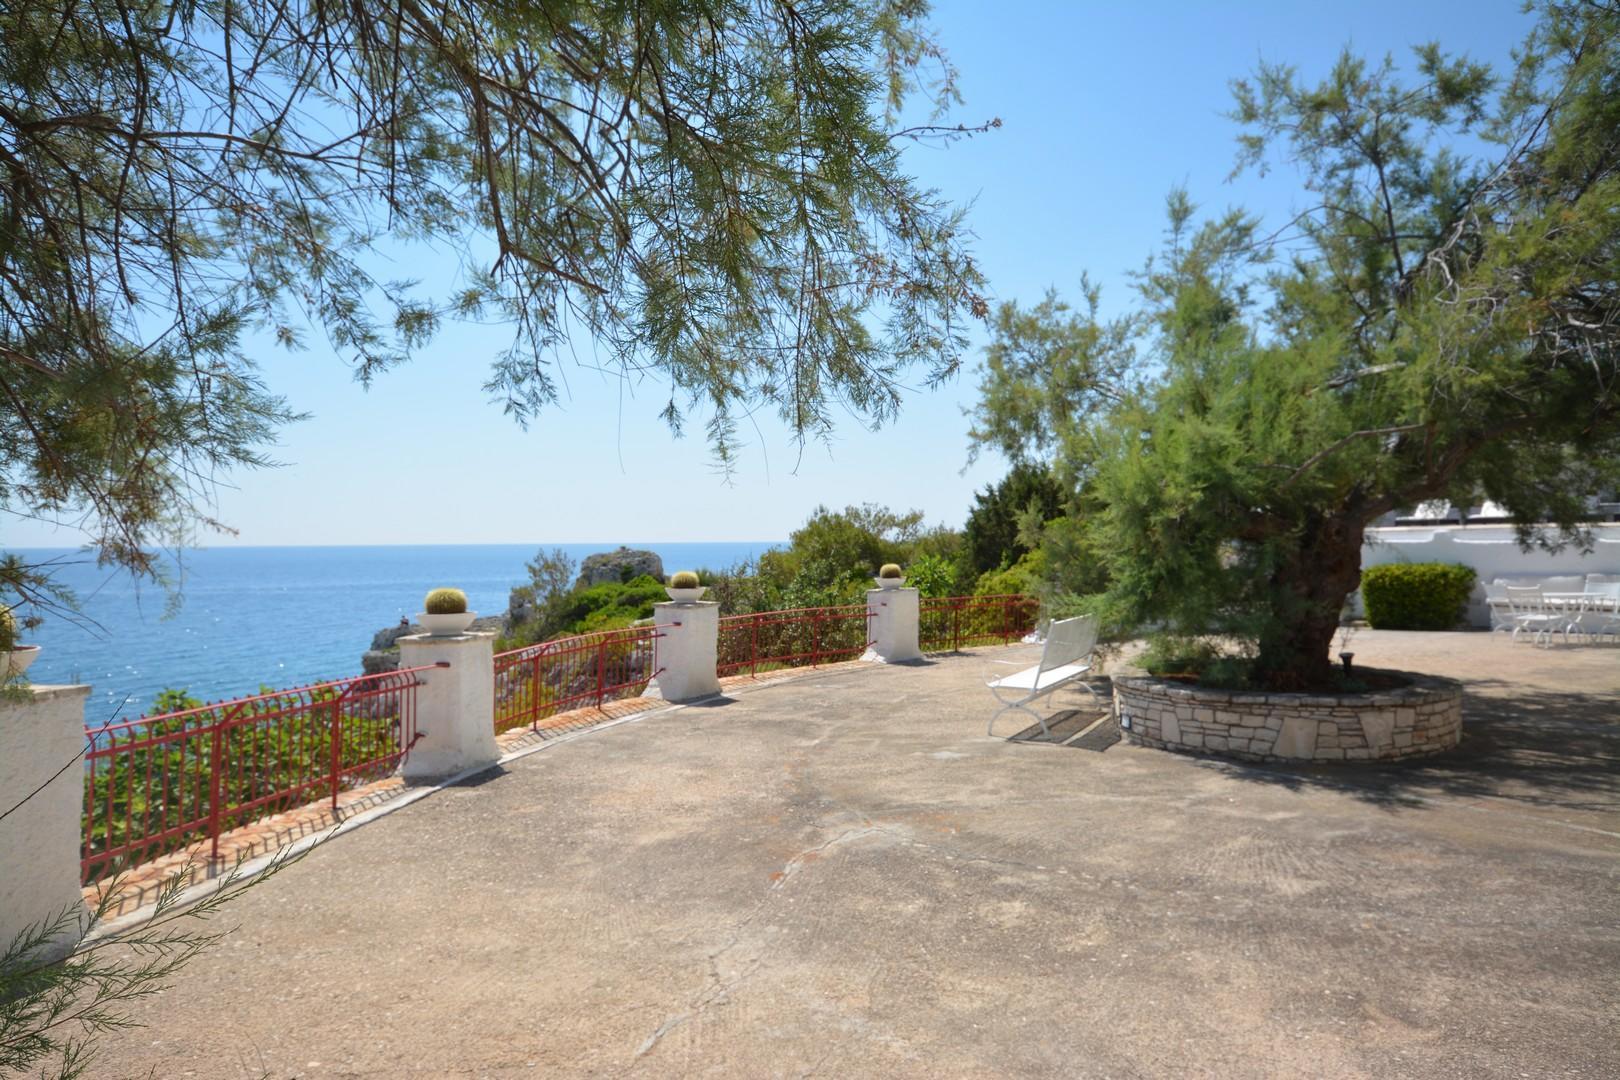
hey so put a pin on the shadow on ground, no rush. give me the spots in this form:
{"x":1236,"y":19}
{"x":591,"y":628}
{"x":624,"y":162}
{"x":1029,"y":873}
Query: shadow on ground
{"x":1542,"y":748}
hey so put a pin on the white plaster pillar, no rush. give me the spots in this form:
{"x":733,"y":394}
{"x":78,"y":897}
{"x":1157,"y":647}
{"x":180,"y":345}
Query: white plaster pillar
{"x":455,"y":706}
{"x":40,"y":740}
{"x":688,"y":649}
{"x":892,"y":617}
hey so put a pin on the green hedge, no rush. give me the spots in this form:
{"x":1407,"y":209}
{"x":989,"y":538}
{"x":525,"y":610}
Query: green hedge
{"x":1416,"y":596}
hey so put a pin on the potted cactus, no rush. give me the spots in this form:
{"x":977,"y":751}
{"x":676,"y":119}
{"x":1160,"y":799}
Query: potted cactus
{"x":890,"y":577}
{"x":445,"y":614}
{"x":684,"y":587}
{"x":15,"y":658}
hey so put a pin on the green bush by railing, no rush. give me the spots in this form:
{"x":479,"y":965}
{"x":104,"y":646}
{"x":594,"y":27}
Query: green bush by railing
{"x":1416,"y":596}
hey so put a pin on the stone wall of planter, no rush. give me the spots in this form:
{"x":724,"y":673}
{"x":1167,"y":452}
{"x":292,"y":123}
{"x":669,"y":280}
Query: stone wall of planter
{"x":1422,"y":718}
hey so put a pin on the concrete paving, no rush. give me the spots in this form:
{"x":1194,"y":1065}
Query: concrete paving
{"x":843,"y":876}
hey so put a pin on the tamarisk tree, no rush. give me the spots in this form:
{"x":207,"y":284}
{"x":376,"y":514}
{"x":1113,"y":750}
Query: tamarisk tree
{"x":1440,"y":321}
{"x":706,"y":192}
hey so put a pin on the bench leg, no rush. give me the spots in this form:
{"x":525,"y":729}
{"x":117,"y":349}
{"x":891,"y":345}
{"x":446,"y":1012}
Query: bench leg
{"x":1021,"y":705}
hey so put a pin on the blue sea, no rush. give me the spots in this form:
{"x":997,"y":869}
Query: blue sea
{"x":276,"y":616}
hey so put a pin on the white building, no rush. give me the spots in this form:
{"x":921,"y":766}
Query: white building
{"x":1482,"y":538}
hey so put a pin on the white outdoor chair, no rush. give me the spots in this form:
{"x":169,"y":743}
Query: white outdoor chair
{"x":1065,"y":658}
{"x":1496,"y":603}
{"x":1530,"y":612}
{"x":1603,"y":618}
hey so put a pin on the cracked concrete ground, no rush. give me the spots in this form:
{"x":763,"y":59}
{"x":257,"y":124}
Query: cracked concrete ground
{"x":843,"y":876}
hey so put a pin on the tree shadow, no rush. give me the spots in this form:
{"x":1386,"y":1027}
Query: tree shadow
{"x":1547,"y":749}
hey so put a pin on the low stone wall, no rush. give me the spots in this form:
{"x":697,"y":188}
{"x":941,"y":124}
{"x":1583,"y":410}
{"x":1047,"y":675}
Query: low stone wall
{"x":1422,"y":718}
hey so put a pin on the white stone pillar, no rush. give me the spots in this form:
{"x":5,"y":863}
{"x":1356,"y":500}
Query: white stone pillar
{"x":688,"y":649}
{"x":455,"y":706}
{"x":41,"y":737}
{"x":892,"y":616}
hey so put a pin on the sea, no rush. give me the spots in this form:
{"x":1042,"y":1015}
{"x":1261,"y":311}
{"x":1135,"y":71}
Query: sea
{"x":275,"y":617}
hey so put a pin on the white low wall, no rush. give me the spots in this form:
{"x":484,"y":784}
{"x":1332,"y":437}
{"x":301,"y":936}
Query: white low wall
{"x":1492,"y":550}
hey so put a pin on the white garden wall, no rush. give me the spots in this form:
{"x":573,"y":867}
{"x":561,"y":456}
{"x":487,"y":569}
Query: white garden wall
{"x":1492,"y":550}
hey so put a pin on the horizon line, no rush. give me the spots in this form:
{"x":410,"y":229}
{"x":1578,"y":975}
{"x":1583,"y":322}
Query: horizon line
{"x":478,"y":543}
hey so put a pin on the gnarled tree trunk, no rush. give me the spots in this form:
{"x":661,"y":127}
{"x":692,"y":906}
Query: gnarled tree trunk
{"x":1310,"y":591}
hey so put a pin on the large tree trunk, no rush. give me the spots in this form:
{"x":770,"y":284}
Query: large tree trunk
{"x":1310,"y":592}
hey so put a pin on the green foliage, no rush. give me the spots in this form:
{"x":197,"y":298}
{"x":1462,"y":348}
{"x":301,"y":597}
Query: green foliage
{"x":8,"y":629}
{"x":630,"y":173}
{"x":1199,"y":659}
{"x":932,"y":575}
{"x":1025,"y":577}
{"x":685,"y":579}
{"x":890,"y":570}
{"x":275,"y":745}
{"x":1416,"y":596}
{"x":1438,"y":326}
{"x":445,"y":602}
{"x":992,"y":532}
{"x":610,"y":605}
{"x":551,"y":579}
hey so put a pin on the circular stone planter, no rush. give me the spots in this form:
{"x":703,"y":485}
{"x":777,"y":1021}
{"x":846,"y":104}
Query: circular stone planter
{"x":1421,"y":718}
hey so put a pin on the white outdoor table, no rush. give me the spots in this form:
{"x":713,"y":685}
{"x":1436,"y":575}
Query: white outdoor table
{"x":1591,"y":601}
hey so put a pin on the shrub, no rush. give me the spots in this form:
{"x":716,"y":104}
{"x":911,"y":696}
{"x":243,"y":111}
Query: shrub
{"x":445,"y":602}
{"x":890,"y":570}
{"x":1022,"y":578}
{"x":1206,"y":661}
{"x":685,"y":579}
{"x":8,"y":627}
{"x":1416,"y":596}
{"x":932,"y":575}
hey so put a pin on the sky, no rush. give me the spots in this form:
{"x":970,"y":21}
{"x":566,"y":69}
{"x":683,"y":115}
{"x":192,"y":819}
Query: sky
{"x":1104,"y":108}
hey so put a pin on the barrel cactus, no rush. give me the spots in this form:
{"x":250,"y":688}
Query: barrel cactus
{"x":890,"y":570}
{"x":685,"y":579}
{"x":445,"y":602}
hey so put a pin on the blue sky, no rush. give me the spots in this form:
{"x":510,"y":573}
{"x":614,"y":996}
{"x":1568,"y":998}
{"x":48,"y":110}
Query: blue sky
{"x":1104,"y":108}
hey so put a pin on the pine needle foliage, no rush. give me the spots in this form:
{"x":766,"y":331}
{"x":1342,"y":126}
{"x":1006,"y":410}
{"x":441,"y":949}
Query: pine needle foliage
{"x":708,"y":194}
{"x":1438,"y":322}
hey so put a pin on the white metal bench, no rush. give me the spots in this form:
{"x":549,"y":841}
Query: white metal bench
{"x":1065,"y":659}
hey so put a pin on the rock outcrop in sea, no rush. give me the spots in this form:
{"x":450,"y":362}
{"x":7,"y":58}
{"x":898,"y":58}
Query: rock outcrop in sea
{"x":619,"y":565}
{"x":384,"y":653}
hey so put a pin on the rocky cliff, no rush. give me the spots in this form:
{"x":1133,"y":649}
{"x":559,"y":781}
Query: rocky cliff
{"x":619,"y":565}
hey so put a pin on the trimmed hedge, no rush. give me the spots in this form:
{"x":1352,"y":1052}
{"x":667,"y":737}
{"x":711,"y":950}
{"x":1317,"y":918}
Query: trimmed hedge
{"x":1416,"y":596}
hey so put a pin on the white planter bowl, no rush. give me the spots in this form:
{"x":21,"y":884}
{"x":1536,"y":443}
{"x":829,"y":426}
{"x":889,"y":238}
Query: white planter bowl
{"x":686,"y":596}
{"x":16,"y":661}
{"x":889,"y":582}
{"x":447,"y":625}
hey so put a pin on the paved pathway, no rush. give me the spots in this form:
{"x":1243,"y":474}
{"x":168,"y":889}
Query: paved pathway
{"x":841,"y":876}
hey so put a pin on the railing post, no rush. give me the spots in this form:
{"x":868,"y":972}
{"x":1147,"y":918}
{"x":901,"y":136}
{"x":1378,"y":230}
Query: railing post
{"x":688,"y":650}
{"x":753,"y":649}
{"x":601,"y":670}
{"x":216,"y":753}
{"x":42,"y":734}
{"x":455,"y":705}
{"x":337,"y":746}
{"x":892,"y":618}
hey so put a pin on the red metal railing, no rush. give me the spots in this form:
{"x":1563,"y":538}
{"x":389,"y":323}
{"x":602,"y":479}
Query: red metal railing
{"x":948,"y":623}
{"x":800,"y":637}
{"x":156,"y":784}
{"x":538,"y":681}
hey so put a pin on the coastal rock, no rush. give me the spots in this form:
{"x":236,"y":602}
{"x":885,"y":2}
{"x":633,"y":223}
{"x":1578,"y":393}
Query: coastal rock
{"x":377,"y":661}
{"x":384,"y":652}
{"x":385,"y":638}
{"x":619,"y":565}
